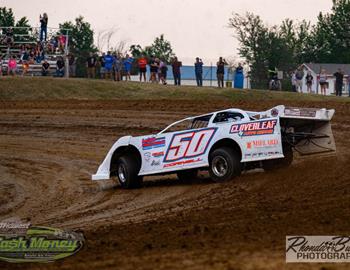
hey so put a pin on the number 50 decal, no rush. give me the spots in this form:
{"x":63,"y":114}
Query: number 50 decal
{"x":189,"y":144}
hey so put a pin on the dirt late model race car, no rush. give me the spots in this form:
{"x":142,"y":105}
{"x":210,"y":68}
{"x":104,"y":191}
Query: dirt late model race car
{"x":224,"y":143}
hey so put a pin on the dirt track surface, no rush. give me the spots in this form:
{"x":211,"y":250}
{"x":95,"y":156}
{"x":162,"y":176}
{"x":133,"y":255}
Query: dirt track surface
{"x":49,"y":149}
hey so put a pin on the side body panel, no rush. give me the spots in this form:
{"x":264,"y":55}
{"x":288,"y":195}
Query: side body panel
{"x":258,"y":140}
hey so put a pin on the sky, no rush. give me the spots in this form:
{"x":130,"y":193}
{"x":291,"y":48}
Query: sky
{"x":194,"y":27}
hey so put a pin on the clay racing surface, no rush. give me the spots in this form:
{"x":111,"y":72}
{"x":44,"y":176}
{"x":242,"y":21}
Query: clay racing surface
{"x":49,"y":149}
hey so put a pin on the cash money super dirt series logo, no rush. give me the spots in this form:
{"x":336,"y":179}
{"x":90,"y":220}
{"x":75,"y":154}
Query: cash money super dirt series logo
{"x":21,"y":242}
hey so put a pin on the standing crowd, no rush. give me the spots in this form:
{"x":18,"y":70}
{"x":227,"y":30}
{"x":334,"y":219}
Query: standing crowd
{"x":119,"y":67}
{"x":323,"y":81}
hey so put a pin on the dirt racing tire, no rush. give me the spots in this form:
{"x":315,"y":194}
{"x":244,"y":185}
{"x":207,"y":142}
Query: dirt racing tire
{"x":275,"y":164}
{"x":187,"y":175}
{"x":224,"y":164}
{"x":127,"y":172}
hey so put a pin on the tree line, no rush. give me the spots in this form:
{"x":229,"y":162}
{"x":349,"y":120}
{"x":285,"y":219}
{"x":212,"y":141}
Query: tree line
{"x":292,"y":43}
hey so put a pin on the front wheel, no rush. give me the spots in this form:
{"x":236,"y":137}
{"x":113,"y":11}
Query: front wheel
{"x":224,"y":164}
{"x":127,"y":171}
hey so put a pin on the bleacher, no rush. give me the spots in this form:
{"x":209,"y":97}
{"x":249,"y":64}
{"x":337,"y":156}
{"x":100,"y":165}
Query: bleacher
{"x":29,"y":38}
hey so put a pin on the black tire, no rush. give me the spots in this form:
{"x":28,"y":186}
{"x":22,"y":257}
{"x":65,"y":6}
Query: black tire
{"x":275,"y":164}
{"x":187,"y":175}
{"x":127,"y":171}
{"x":224,"y":164}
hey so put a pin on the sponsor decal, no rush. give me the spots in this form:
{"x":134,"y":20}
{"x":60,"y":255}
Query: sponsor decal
{"x":147,"y":156}
{"x":178,"y":163}
{"x":153,"y":142}
{"x":155,"y":163}
{"x":318,"y":249}
{"x":254,"y":128}
{"x":189,"y":144}
{"x":303,"y":112}
{"x":262,"y":143}
{"x":21,"y":242}
{"x":262,"y":154}
{"x":157,"y":154}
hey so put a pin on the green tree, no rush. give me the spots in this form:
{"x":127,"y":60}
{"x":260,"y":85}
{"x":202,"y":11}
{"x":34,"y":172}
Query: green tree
{"x":160,"y":48}
{"x":282,"y":47}
{"x":331,"y":35}
{"x":81,"y":41}
{"x":6,"y":17}
{"x":25,"y":33}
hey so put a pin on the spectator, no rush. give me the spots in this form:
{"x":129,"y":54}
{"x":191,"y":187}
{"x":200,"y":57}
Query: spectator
{"x":220,"y":71}
{"x":163,"y":72}
{"x":1,"y":65}
{"x":127,"y":66}
{"x":339,"y":77}
{"x":117,"y":67}
{"x":43,"y":26}
{"x":91,"y":66}
{"x":109,"y":60}
{"x":72,"y":65}
{"x":53,"y":44}
{"x":198,"y":69}
{"x":12,"y":66}
{"x":154,"y":69}
{"x":299,"y":75}
{"x":176,"y":65}
{"x":45,"y":68}
{"x":102,"y":66}
{"x":159,"y":73}
{"x":60,"y":67}
{"x":309,"y":81}
{"x":25,"y":67}
{"x":62,"y":42}
{"x":293,"y":81}
{"x":323,"y":81}
{"x":9,"y":37}
{"x":142,"y":63}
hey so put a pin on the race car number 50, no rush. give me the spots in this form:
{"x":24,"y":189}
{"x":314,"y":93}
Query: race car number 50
{"x":189,"y":144}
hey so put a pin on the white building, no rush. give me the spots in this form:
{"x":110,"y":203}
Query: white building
{"x":315,"y":70}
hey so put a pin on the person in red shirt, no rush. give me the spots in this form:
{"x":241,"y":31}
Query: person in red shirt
{"x":142,"y":62}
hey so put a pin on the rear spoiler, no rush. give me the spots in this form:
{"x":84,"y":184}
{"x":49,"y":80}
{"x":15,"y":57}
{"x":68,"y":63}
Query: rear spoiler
{"x":306,"y":113}
{"x":308,"y":130}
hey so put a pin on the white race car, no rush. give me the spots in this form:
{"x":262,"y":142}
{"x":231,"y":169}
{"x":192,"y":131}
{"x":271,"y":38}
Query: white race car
{"x":224,"y":142}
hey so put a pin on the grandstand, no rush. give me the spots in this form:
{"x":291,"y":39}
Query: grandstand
{"x":24,"y":44}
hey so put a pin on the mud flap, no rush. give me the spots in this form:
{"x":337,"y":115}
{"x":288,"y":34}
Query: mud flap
{"x":319,"y":140}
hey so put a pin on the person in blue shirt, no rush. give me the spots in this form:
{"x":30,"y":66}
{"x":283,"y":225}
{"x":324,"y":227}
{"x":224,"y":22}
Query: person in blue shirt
{"x":127,"y":66}
{"x":109,"y":61}
{"x":198,"y":69}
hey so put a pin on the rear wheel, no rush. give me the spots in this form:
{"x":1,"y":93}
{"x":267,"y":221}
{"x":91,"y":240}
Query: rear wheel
{"x":224,"y":164}
{"x":127,"y":172}
{"x":274,"y":164}
{"x":187,"y":175}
